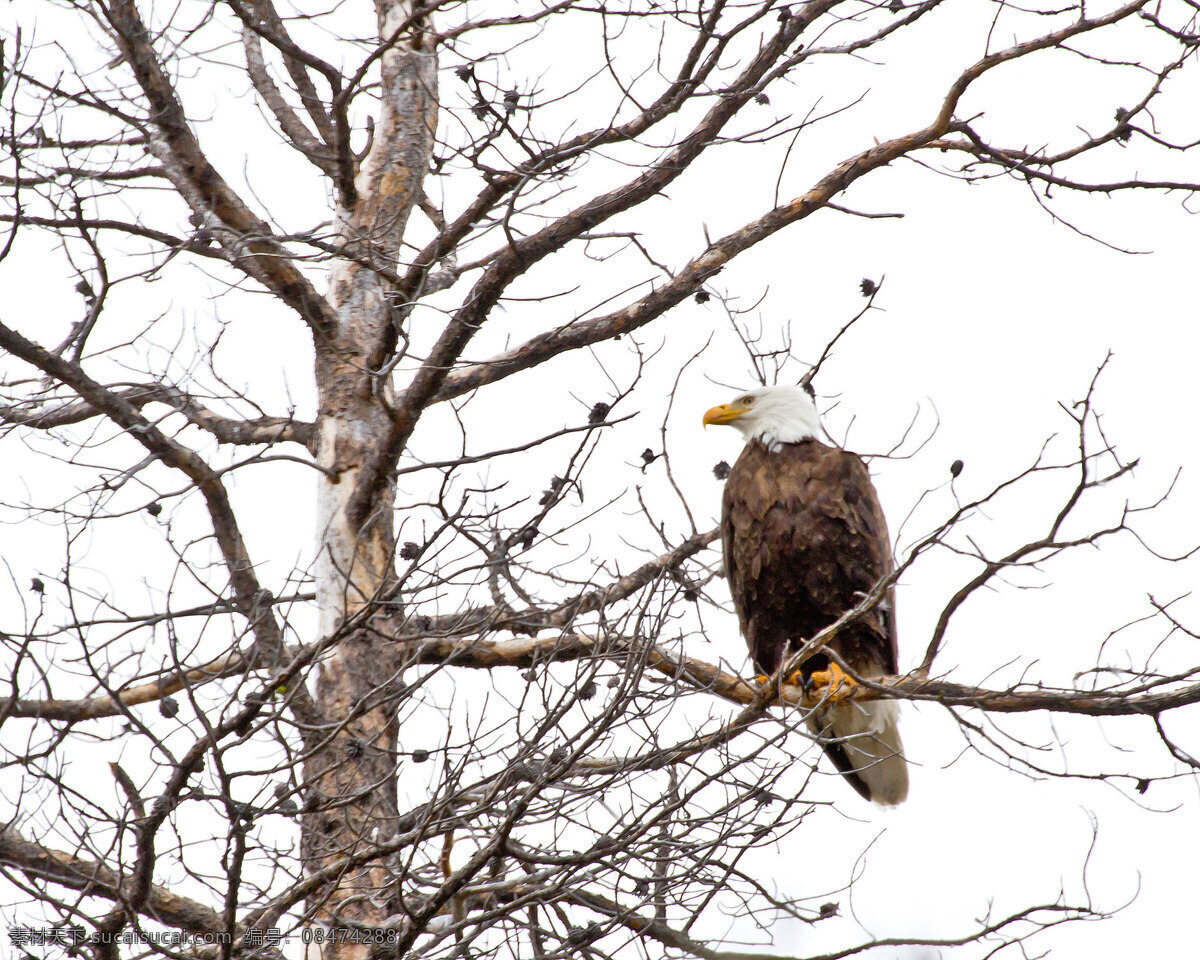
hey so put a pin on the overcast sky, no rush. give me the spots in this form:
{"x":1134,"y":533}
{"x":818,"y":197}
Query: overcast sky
{"x":990,"y":316}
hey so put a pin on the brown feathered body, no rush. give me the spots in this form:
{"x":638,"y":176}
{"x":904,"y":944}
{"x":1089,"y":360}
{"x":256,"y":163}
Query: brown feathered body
{"x":804,"y":540}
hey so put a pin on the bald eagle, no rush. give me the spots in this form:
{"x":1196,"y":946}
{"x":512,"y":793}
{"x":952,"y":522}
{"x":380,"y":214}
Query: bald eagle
{"x":805,"y":540}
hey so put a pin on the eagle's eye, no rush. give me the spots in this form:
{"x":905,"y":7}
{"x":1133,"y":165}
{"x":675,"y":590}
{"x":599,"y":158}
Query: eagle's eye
{"x":746,"y":401}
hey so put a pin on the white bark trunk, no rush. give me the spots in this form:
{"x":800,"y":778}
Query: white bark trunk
{"x":355,"y":554}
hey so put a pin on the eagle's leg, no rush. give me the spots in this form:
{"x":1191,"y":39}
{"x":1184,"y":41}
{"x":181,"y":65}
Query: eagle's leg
{"x":796,"y":679}
{"x":832,"y":684}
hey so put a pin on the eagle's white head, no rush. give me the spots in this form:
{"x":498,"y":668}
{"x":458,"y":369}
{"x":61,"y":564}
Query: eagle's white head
{"x":774,"y":415}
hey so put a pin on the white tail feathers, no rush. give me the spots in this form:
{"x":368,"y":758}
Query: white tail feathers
{"x":863,"y":740}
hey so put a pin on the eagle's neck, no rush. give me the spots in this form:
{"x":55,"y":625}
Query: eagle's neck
{"x":773,"y":433}
{"x":775,"y":446}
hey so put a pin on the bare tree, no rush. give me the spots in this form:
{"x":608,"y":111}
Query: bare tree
{"x":454,"y":729}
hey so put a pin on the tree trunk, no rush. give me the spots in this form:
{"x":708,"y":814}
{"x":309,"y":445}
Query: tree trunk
{"x":352,"y":780}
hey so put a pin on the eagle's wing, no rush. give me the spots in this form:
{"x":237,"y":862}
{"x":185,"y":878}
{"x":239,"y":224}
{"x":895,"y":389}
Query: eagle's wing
{"x":749,"y":520}
{"x":868,"y":559}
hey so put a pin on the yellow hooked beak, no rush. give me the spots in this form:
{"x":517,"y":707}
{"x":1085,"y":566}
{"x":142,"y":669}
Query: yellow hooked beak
{"x":724,"y":413}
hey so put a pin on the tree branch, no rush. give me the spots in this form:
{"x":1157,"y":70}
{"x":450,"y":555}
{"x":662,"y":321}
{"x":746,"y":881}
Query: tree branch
{"x":244,"y":235}
{"x":262,"y":430}
{"x":99,"y":880}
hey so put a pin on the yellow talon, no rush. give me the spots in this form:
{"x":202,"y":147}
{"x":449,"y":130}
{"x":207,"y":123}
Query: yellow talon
{"x":832,"y":684}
